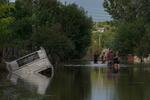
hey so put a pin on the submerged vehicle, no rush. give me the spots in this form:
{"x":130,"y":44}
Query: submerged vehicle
{"x":32,"y":63}
{"x":34,"y":82}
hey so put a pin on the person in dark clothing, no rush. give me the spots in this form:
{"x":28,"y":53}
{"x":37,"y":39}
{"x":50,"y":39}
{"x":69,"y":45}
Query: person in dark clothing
{"x":103,"y":58}
{"x":116,"y":62}
{"x":96,"y":58}
{"x":110,"y":58}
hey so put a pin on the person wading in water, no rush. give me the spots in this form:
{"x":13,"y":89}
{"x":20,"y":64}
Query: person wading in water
{"x":116,"y":62}
{"x":96,"y":55}
{"x":110,"y":58}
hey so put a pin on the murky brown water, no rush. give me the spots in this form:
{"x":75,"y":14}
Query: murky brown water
{"x":79,"y":83}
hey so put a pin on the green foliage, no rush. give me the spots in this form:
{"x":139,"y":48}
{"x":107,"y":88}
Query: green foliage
{"x":55,"y":42}
{"x":128,"y":36}
{"x":132,"y":25}
{"x":3,"y":1}
{"x":144,"y":45}
{"x":77,"y":27}
{"x":6,"y":20}
{"x":119,"y":9}
{"x":108,"y":38}
{"x":46,"y":12}
{"x":22,"y":26}
{"x":104,"y":39}
{"x":128,"y":10}
{"x":104,"y":24}
{"x":63,"y":30}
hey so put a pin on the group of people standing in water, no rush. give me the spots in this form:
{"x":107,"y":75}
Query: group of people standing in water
{"x":110,"y":57}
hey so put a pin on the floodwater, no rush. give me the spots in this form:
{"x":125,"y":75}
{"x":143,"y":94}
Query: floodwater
{"x":79,"y":83}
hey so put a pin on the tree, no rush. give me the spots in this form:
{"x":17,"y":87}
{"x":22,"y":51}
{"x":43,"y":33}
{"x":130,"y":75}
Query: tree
{"x":103,"y":35}
{"x":128,"y":10}
{"x":77,"y":27}
{"x":48,"y":32}
{"x":128,"y":37}
{"x":74,"y":23}
{"x":55,"y":42}
{"x":132,"y":18}
{"x":22,"y":26}
{"x":63,"y":30}
{"x":6,"y":20}
{"x":144,"y":45}
{"x":4,"y":1}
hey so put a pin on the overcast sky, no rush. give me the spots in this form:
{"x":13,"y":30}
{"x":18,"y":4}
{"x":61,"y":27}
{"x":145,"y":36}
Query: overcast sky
{"x":93,"y":7}
{"x":12,"y":0}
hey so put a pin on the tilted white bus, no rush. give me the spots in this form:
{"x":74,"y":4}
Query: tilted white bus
{"x":32,"y":63}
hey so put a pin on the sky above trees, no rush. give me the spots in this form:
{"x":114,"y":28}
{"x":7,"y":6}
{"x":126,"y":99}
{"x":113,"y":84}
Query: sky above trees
{"x":93,"y":7}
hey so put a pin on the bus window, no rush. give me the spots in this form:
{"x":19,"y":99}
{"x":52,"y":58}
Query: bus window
{"x":28,"y":59}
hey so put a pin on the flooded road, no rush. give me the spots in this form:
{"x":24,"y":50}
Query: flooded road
{"x":79,"y":83}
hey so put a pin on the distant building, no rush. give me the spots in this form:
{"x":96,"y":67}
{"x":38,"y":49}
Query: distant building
{"x":102,"y":29}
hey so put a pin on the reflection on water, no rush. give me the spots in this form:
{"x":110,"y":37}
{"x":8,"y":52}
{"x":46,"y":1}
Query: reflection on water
{"x":31,"y":86}
{"x":35,"y":81}
{"x":79,"y":83}
{"x":103,"y":87}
